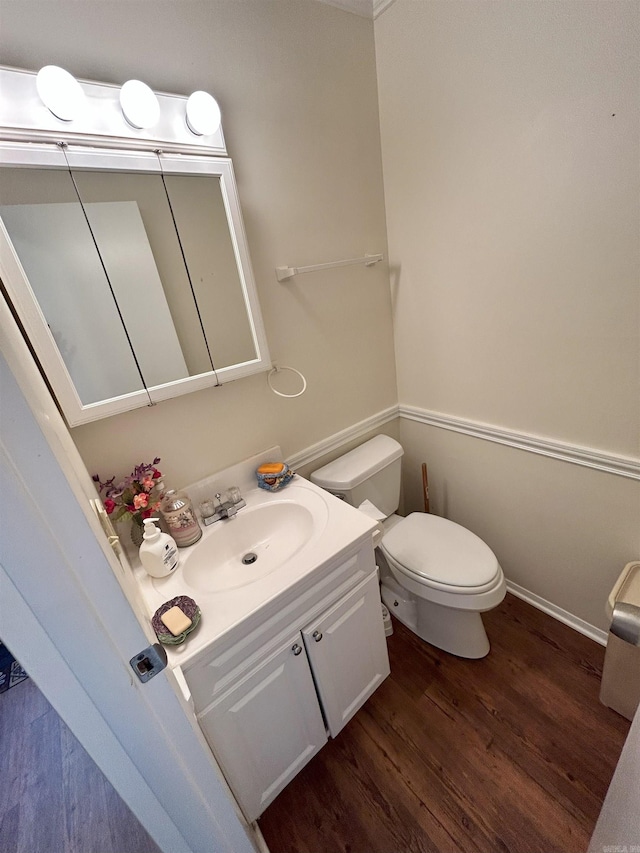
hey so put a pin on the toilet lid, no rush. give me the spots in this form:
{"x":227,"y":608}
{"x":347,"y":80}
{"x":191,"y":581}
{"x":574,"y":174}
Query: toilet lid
{"x":441,"y":550}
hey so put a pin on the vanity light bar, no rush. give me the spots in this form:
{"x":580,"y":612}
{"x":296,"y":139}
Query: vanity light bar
{"x":35,"y":104}
{"x":61,"y":93}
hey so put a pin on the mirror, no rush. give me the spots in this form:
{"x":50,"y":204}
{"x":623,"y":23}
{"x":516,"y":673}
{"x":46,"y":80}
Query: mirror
{"x":200,"y":217}
{"x":72,"y":291}
{"x":185,"y":225}
{"x":139,"y":271}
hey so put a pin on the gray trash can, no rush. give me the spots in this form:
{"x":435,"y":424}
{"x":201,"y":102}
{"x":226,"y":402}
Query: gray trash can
{"x":620,"y":688}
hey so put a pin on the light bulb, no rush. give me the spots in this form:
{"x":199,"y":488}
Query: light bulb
{"x":203,"y":114}
{"x":60,"y":92}
{"x":139,"y":104}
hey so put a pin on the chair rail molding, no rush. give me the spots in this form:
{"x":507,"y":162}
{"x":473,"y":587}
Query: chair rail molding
{"x":621,"y":466}
{"x":338,"y":439}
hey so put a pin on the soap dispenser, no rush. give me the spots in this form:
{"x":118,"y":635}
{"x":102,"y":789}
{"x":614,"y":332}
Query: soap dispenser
{"x":158,"y":552}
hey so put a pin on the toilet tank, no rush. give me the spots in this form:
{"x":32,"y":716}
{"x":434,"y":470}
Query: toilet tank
{"x":369,"y":472}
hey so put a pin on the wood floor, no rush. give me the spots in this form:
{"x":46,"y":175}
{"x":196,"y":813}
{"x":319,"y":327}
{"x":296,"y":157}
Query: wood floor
{"x":53,"y":797}
{"x":510,"y":753}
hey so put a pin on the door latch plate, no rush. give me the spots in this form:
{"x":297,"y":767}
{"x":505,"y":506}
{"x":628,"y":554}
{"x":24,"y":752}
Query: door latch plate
{"x":149,"y":662}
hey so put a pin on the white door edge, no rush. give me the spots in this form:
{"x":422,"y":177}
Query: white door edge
{"x":57,"y":561}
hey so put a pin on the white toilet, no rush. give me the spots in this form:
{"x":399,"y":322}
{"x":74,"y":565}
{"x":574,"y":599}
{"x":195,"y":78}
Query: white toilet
{"x":437,"y":577}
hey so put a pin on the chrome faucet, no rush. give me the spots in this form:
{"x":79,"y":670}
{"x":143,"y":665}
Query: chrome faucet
{"x":225,"y":509}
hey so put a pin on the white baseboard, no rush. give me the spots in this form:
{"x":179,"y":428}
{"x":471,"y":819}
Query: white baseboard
{"x":558,"y":613}
{"x":258,"y":837}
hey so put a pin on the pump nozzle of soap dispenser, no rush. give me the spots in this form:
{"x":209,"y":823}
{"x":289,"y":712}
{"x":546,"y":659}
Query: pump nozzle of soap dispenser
{"x":151,"y":532}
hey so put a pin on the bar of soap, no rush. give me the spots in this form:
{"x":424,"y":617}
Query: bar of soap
{"x":273,"y":468}
{"x":176,"y":621}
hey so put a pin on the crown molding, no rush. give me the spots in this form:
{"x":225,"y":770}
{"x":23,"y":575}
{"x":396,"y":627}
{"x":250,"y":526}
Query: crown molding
{"x":362,"y":8}
{"x":380,"y":6}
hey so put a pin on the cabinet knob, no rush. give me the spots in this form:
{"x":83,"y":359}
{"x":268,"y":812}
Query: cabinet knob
{"x":296,"y":649}
{"x":317,"y":636}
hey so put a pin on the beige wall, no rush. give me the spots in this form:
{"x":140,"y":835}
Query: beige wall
{"x":561,"y":531}
{"x":512,"y":184}
{"x":296,"y":85}
{"x":510,"y":158}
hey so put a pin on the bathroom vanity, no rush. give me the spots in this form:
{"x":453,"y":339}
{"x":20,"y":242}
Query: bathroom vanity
{"x":262,"y":703}
{"x":285,"y":654}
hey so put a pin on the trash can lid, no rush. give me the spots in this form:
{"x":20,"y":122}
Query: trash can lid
{"x":627,"y":588}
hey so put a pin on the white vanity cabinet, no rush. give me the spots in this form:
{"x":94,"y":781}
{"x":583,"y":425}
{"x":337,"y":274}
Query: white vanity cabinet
{"x":265,"y":725}
{"x":265,"y":729}
{"x":347,"y":649}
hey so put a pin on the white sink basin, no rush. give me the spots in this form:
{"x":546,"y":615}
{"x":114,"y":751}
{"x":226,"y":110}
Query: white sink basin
{"x":263,"y":537}
{"x":293,"y":533}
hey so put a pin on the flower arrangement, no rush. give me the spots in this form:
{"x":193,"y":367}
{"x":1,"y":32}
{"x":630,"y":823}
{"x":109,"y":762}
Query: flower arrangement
{"x":137,"y":496}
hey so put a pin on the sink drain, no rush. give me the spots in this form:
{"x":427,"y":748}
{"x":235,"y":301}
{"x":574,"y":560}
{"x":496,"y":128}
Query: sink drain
{"x":249,"y":558}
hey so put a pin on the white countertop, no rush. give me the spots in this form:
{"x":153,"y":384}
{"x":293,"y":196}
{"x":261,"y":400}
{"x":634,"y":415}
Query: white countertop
{"x":339,"y":527}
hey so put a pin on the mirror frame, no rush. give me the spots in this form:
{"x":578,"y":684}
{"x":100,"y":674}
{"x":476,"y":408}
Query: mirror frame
{"x":106,"y":152}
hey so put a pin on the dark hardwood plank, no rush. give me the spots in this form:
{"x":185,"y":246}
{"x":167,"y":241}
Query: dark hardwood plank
{"x":510,"y":754}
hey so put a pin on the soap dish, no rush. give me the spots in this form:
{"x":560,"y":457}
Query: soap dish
{"x":188,"y":607}
{"x":273,"y":476}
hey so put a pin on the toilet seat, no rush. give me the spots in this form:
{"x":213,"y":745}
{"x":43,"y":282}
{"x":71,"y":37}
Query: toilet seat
{"x":441,"y":554}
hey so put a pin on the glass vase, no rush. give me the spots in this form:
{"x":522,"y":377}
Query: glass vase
{"x":137,"y":530}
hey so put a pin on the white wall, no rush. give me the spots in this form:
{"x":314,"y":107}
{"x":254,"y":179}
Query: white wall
{"x":512,"y":186}
{"x":296,"y":85}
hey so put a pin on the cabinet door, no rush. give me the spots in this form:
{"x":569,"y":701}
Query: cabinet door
{"x":266,"y":727}
{"x":347,"y":649}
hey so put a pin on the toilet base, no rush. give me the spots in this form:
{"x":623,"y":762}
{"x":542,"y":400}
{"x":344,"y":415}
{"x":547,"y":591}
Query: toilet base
{"x":400,"y":604}
{"x":459,"y":632}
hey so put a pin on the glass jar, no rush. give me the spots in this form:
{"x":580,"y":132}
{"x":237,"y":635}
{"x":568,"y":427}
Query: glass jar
{"x":180,"y":518}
